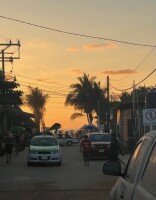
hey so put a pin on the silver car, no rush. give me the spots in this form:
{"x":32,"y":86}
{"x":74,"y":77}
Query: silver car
{"x":66,"y":139}
{"x":44,"y":149}
{"x":138,"y":182}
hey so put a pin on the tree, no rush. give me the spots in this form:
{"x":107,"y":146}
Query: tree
{"x":36,"y":100}
{"x":125,"y":97}
{"x":85,"y":97}
{"x":8,"y":94}
{"x":138,"y":94}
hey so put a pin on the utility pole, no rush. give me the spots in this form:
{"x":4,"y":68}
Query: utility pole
{"x":134,"y":109}
{"x":5,"y":58}
{"x":108,"y":89}
{"x":108,"y":111}
{"x":3,"y":73}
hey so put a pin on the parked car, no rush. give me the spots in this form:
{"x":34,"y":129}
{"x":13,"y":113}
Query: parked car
{"x":139,"y":178}
{"x":44,"y":149}
{"x":100,"y":144}
{"x":66,"y":139}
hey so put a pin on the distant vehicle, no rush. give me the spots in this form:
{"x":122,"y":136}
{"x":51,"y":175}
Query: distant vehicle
{"x":138,"y":182}
{"x":100,"y":144}
{"x":66,"y":139}
{"x":44,"y":149}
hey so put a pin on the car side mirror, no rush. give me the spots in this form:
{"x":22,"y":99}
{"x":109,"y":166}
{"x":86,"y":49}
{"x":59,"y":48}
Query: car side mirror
{"x":112,"y":168}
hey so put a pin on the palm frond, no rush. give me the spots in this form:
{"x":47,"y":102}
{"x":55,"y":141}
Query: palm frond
{"x":76,"y":115}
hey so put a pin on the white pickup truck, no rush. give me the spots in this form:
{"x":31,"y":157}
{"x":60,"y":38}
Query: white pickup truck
{"x":138,"y":182}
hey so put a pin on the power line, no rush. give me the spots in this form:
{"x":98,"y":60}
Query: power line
{"x":140,"y":64}
{"x":49,"y":91}
{"x":137,"y":83}
{"x":41,"y":80}
{"x":38,"y":85}
{"x":3,"y":37}
{"x":78,"y":34}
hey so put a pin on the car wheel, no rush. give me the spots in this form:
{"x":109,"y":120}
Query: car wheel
{"x":69,"y":143}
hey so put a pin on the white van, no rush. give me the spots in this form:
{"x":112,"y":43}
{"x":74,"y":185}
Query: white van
{"x":138,"y":182}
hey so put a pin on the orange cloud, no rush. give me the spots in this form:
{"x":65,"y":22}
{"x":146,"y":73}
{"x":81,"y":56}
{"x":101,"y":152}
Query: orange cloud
{"x":73,"y":49}
{"x":118,"y":72}
{"x":76,"y":71}
{"x":43,"y":79}
{"x":99,"y":46}
{"x":92,"y":47}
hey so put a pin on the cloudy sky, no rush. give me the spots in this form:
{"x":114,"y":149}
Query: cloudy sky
{"x":62,"y":39}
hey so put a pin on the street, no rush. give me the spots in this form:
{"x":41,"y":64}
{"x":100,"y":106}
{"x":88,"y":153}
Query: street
{"x":72,"y":180}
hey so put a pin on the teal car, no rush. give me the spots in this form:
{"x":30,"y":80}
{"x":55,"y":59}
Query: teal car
{"x":44,"y":149}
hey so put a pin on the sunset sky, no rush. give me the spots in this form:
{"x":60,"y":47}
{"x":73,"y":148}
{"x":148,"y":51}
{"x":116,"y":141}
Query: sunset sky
{"x":62,"y":39}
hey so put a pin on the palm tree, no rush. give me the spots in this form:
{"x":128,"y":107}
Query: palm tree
{"x":36,"y":100}
{"x":84,"y":97}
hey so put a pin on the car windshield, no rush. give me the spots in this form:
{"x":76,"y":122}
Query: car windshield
{"x":100,"y":138}
{"x":44,"y":141}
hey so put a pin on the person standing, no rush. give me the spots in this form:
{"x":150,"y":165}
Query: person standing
{"x":8,"y":146}
{"x":85,"y":148}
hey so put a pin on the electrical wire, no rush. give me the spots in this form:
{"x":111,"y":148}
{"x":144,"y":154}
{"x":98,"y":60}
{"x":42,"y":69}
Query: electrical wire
{"x":139,"y":65}
{"x":3,"y":37}
{"x":78,"y":34}
{"x":137,"y":83}
{"x":36,"y":84}
{"x":41,"y":80}
{"x":49,"y":91}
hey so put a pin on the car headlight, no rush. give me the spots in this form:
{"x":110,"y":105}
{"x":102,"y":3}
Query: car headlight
{"x":33,"y":152}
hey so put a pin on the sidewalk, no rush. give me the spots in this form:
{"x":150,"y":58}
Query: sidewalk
{"x":124,"y":158}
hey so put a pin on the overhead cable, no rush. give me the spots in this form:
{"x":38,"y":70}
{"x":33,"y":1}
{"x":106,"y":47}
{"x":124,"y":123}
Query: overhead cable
{"x":41,"y":80}
{"x":137,"y":83}
{"x":39,"y":85}
{"x":78,"y":34}
{"x":49,"y":91}
{"x":140,"y":64}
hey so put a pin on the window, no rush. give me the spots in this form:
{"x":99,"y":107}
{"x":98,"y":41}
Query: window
{"x":44,"y":142}
{"x":100,"y":138}
{"x":149,"y":177}
{"x":132,"y":161}
{"x":67,"y":136}
{"x":136,"y":159}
